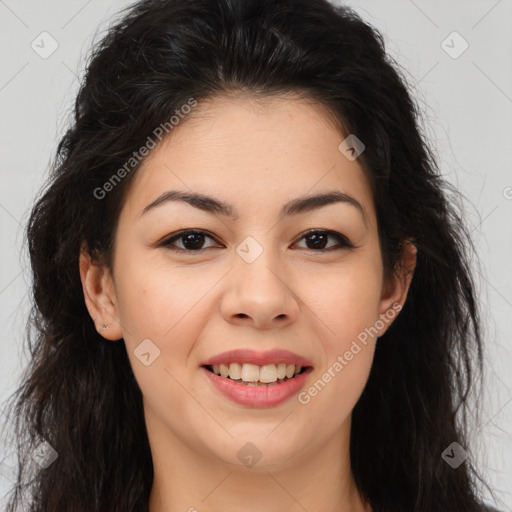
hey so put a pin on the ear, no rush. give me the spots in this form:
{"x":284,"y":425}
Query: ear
{"x":395,"y":292}
{"x":99,"y":295}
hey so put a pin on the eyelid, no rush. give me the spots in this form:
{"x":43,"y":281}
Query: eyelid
{"x":167,"y":241}
{"x":344,"y":242}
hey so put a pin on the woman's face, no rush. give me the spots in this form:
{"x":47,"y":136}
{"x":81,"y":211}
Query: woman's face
{"x":254,"y":279}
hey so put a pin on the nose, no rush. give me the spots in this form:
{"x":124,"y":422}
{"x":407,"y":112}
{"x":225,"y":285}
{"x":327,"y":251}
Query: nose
{"x":259,"y":295}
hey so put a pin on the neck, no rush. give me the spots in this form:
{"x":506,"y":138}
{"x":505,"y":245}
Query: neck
{"x":187,"y":478}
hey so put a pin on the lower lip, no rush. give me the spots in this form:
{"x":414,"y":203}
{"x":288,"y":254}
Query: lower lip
{"x":258,"y":396}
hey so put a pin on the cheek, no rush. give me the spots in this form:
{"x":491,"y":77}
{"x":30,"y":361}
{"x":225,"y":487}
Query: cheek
{"x":338,"y":386}
{"x":348,"y":313}
{"x":346,"y":310}
{"x":155,"y":298}
{"x":346,"y":299}
{"x":169,"y":307}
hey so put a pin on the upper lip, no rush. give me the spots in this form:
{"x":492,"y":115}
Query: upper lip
{"x":250,"y":356}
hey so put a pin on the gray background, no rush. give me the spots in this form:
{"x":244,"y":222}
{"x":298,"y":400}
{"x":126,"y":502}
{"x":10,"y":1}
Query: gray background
{"x":468,"y":105}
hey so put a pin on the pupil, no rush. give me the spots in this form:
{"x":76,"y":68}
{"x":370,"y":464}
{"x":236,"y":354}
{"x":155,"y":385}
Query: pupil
{"x":318,"y":240}
{"x":190,"y":241}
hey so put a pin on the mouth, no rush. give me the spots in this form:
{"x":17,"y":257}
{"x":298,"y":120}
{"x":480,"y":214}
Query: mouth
{"x":255,"y":386}
{"x":257,"y":379}
{"x":253,"y":375}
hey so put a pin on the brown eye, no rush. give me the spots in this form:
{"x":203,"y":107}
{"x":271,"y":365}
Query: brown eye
{"x":317,"y":240}
{"x":194,"y":241}
{"x":191,"y":241}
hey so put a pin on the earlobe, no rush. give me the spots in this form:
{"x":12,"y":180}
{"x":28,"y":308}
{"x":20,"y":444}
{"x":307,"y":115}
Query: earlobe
{"x":394,"y":293}
{"x":99,"y":296}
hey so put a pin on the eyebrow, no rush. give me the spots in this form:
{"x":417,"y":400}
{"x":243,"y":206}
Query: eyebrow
{"x":294,"y":207}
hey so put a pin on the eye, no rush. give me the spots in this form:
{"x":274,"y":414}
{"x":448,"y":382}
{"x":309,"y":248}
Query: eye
{"x":192,"y":241}
{"x":316,"y":240}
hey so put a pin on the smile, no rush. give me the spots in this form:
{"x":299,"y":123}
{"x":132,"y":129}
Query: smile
{"x":254,"y":375}
{"x":255,"y":393}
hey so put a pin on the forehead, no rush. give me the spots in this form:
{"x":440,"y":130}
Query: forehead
{"x":251,"y":153}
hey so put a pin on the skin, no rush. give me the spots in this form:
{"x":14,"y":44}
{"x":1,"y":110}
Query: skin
{"x":255,"y":156}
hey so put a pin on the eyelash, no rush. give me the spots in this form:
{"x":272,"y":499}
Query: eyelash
{"x":344,"y":242}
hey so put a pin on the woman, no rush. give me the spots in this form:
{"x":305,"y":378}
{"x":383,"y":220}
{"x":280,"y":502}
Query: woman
{"x":250,"y":289}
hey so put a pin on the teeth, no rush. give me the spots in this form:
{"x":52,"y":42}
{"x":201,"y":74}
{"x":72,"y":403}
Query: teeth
{"x":235,"y":371}
{"x":252,"y":373}
{"x":268,"y":373}
{"x":224,"y":369}
{"x":281,"y":370}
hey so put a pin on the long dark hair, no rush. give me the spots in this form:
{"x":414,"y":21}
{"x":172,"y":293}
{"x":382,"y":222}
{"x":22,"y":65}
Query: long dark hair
{"x":79,"y":394}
